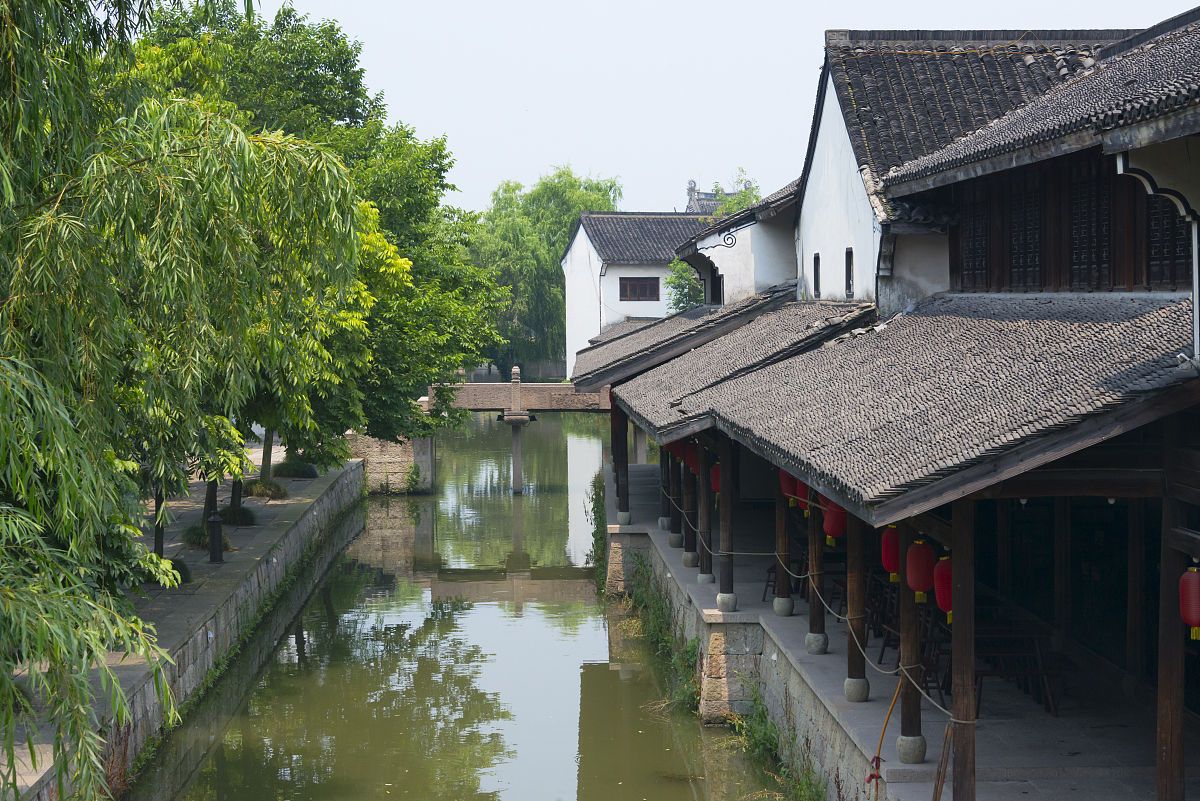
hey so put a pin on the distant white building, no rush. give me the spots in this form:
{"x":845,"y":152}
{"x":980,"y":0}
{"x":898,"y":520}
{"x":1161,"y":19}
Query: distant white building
{"x":615,"y":267}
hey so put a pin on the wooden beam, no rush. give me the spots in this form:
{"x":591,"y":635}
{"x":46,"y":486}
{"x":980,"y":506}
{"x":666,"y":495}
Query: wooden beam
{"x":1135,"y":589}
{"x":1172,"y":563}
{"x":689,"y":511}
{"x":856,"y":599}
{"x":1004,"y":547}
{"x":1062,"y":565}
{"x":783,"y":579}
{"x":930,"y":525}
{"x":726,"y":509}
{"x":1102,"y":482}
{"x":664,"y":483}
{"x":1184,"y":540}
{"x":675,"y":492}
{"x":963,"y":650}
{"x":620,"y":453}
{"x":816,"y":572}
{"x":910,"y":645}
{"x":704,"y":515}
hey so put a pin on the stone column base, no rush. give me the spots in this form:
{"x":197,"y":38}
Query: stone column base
{"x":664,"y":523}
{"x":623,"y":518}
{"x":726,"y":602}
{"x":784,"y":607}
{"x":691,"y":559}
{"x":816,"y":644}
{"x":706,"y":578}
{"x":857,"y":690}
{"x":911,"y":749}
{"x":675,"y":539}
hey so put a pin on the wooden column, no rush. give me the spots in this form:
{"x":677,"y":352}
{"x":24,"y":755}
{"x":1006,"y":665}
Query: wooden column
{"x":689,"y":518}
{"x":856,"y":686}
{"x":1062,"y":565}
{"x":620,"y":453}
{"x":704,"y":518}
{"x":726,"y":600}
{"x":1135,"y":590}
{"x":912,"y":740}
{"x":1004,"y":547}
{"x":673,"y":490}
{"x":664,"y":481}
{"x":1172,"y":563}
{"x":962,"y":647}
{"x":816,"y":641}
{"x":782,"y":603}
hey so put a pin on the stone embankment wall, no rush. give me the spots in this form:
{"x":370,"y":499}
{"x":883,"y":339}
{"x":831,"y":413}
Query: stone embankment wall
{"x":219,"y":630}
{"x":737,"y":654}
{"x":389,"y":465}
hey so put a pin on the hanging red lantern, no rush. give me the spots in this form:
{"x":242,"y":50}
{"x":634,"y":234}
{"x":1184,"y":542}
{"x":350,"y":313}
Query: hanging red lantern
{"x":1189,"y":600}
{"x":689,"y":457}
{"x":943,"y":587}
{"x":835,"y":523}
{"x":802,"y":494}
{"x":787,"y":485}
{"x":714,"y":478}
{"x":918,"y":568}
{"x":890,"y":553}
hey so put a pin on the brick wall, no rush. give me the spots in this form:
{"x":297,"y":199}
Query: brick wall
{"x":388,"y":464}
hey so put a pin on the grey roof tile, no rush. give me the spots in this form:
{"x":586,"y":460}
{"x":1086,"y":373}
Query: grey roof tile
{"x":639,"y":237}
{"x":626,"y":326}
{"x":958,"y":380}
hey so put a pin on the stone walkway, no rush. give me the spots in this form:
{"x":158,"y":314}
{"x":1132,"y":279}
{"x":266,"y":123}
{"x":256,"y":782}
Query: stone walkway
{"x":198,"y":622}
{"x":1101,"y":748}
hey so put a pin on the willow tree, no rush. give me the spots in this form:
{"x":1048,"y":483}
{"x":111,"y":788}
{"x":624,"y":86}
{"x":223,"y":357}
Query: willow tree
{"x":139,"y":241}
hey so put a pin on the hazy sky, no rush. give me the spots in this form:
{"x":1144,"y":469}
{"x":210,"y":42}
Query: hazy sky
{"x":653,"y":92}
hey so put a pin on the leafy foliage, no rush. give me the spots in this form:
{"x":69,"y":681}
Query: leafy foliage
{"x":744,"y":194}
{"x":684,"y":288}
{"x":521,"y":238}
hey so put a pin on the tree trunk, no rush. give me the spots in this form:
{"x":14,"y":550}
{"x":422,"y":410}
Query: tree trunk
{"x":268,"y":442}
{"x":235,"y":499}
{"x":158,"y":526}
{"x":210,"y":501}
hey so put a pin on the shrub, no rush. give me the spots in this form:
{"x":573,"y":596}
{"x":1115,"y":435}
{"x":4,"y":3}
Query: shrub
{"x":268,"y":489}
{"x":194,"y":536}
{"x":242,"y":516}
{"x":593,"y":509}
{"x":412,"y":479}
{"x":679,"y":661}
{"x":295,"y":468}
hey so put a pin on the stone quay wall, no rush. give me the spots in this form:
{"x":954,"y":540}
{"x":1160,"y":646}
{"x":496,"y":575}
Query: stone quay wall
{"x":390,"y":464}
{"x":739,"y":654}
{"x":216,"y":633}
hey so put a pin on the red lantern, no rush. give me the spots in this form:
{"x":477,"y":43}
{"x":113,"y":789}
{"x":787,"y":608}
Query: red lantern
{"x":943,"y":586}
{"x":918,"y":568}
{"x":890,"y":547}
{"x":787,"y":485}
{"x":801,"y":496}
{"x":835,"y":523}
{"x":1189,"y":600}
{"x":689,"y":456}
{"x":714,"y":478}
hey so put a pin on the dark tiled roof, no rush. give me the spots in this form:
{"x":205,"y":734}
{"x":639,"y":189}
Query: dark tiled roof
{"x":653,"y":397}
{"x":1152,"y":79}
{"x":626,"y":326}
{"x":960,"y":379}
{"x":637,"y":237}
{"x":779,"y":197}
{"x":905,"y":94}
{"x":647,"y":346}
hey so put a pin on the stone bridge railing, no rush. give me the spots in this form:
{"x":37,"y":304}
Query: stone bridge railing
{"x":534,"y":398}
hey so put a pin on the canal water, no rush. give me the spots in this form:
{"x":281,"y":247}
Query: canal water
{"x":455,"y":649}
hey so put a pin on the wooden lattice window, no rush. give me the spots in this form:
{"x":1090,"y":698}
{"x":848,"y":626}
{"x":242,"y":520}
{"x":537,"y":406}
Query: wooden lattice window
{"x":1091,"y":226}
{"x":1168,"y":244}
{"x":973,"y":239}
{"x":1025,"y":230}
{"x":638,"y":288}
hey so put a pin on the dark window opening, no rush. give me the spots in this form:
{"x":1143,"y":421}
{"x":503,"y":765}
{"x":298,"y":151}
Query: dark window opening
{"x":638,"y":288}
{"x":1091,"y":226}
{"x":1168,"y":243}
{"x":849,"y":272}
{"x":973,"y":239}
{"x":1025,"y":230}
{"x":816,"y":275}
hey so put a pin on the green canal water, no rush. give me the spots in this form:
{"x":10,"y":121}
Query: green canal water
{"x":455,"y":650}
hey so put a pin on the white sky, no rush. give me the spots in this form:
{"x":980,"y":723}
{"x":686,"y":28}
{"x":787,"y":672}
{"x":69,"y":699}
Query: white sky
{"x":654,"y":92}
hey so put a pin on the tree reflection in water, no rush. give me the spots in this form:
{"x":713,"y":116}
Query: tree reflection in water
{"x":365,"y":700}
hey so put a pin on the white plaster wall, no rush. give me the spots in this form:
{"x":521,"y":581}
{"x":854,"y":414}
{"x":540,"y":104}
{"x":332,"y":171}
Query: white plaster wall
{"x":836,"y":213}
{"x":581,"y":271}
{"x":920,"y":268}
{"x":614,"y":310}
{"x":735,"y":264}
{"x":774,"y":251}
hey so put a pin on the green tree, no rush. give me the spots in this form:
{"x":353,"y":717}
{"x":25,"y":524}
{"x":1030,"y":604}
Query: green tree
{"x":684,"y":288}
{"x":138,"y":239}
{"x":521,"y":238}
{"x":743,"y":194}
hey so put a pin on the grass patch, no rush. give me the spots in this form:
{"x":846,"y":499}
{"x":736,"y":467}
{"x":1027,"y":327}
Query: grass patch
{"x":295,"y":468}
{"x":194,"y":536}
{"x":593,"y":509}
{"x":242,"y":516}
{"x":678,"y":661}
{"x":759,"y":738}
{"x":258,"y":488}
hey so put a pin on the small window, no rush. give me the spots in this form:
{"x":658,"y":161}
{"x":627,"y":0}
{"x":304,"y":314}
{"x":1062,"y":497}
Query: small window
{"x":849,"y":272}
{"x":816,"y":275}
{"x":639,"y":288}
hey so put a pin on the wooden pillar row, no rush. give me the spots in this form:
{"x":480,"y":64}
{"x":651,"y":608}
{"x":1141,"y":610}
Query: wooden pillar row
{"x":1169,"y":735}
{"x":664,"y":483}
{"x":726,"y":599}
{"x":856,"y":687}
{"x":673,"y":492}
{"x":690,"y":488}
{"x":620,"y":452}
{"x":704,"y":502}
{"x":816,"y":641}
{"x":911,"y":744}
{"x":1135,"y":590}
{"x":782,"y":603}
{"x":962,"y":648}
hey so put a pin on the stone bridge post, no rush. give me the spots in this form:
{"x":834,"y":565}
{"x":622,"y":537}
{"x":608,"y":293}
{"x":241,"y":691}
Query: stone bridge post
{"x":518,"y":418}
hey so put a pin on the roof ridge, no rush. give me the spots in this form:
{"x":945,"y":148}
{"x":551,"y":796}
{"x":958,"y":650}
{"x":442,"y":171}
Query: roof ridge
{"x":587,"y":213}
{"x":1153,"y":32}
{"x":999,"y":36}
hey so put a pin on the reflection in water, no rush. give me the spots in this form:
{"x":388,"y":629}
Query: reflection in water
{"x":456,"y":650}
